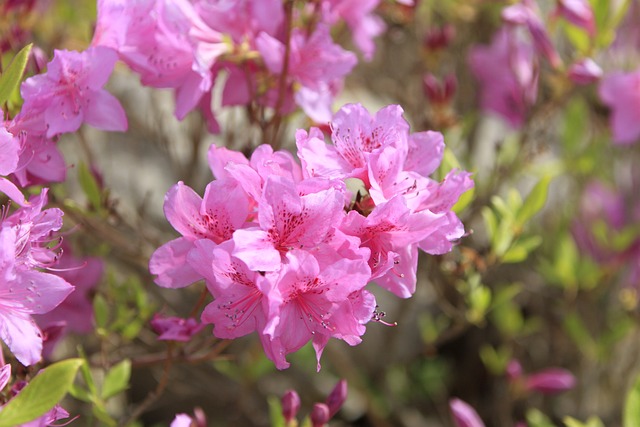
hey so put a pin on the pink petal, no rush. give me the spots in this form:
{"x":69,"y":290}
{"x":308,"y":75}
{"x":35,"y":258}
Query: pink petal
{"x":169,"y":264}
{"x":105,"y":112}
{"x":36,"y":291}
{"x":23,"y":337}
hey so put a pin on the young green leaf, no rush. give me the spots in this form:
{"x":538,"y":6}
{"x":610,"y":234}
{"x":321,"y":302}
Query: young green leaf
{"x":10,"y":79}
{"x":631,"y":414}
{"x":41,"y":394}
{"x":534,"y":201}
{"x":89,"y":186}
{"x":117,"y":379}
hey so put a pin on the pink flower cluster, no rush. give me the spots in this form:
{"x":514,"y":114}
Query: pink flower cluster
{"x":271,"y":56}
{"x":286,"y":250}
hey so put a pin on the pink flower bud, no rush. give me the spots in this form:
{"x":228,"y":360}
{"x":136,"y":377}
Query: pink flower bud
{"x":5,"y":376}
{"x":585,"y":72}
{"x":464,"y":415}
{"x":439,"y":37}
{"x":319,"y":415}
{"x":290,"y":405}
{"x":514,"y":370}
{"x":337,"y":397}
{"x":175,"y":328}
{"x":551,"y":381}
{"x":579,"y":13}
{"x":437,"y":92}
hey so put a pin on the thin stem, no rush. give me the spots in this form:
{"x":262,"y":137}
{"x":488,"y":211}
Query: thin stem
{"x":200,"y":303}
{"x":276,"y":120}
{"x":154,"y":395}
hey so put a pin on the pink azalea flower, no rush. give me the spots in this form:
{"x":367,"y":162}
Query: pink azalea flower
{"x":287,"y":220}
{"x":621,"y":93}
{"x":310,"y":301}
{"x":167,"y":43}
{"x":239,"y":307}
{"x":464,"y":415}
{"x":24,"y":238}
{"x":225,"y":208}
{"x":508,"y":75}
{"x":40,"y":161}
{"x":70,"y":92}
{"x":391,"y":231}
{"x":355,"y":136}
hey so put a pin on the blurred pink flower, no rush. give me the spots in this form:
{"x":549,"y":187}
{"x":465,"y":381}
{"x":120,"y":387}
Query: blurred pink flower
{"x":621,"y":93}
{"x":507,"y":71}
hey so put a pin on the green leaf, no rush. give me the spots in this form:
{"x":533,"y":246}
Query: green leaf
{"x":80,"y":393}
{"x":631,"y":414}
{"x":534,"y":201}
{"x":535,"y":418}
{"x":90,"y":186}
{"x":496,"y":361}
{"x":464,"y":200}
{"x":117,"y":379}
{"x":41,"y":394}
{"x":521,"y":249}
{"x":591,"y":422}
{"x":100,"y":311}
{"x":10,"y":79}
{"x":101,"y":413}
{"x":275,"y":412}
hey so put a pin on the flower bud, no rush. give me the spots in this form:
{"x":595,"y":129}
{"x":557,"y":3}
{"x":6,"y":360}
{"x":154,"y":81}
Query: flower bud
{"x":585,"y":72}
{"x":290,"y":405}
{"x":319,"y":415}
{"x":579,"y":13}
{"x":514,"y":370}
{"x":337,"y":397}
{"x":437,"y":92}
{"x":438,"y":38}
{"x":175,"y":328}
{"x":464,"y":415}
{"x":551,"y":381}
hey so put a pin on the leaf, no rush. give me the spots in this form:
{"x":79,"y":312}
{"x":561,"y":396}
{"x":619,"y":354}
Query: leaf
{"x":275,"y":412}
{"x":521,"y":249}
{"x":89,"y":186}
{"x":100,"y":311}
{"x":117,"y":379}
{"x":631,"y":414}
{"x":10,"y":79}
{"x":534,"y":201}
{"x":464,"y":200}
{"x":41,"y":394}
{"x":535,"y":418}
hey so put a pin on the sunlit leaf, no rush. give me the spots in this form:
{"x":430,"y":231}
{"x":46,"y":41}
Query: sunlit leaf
{"x":42,"y":393}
